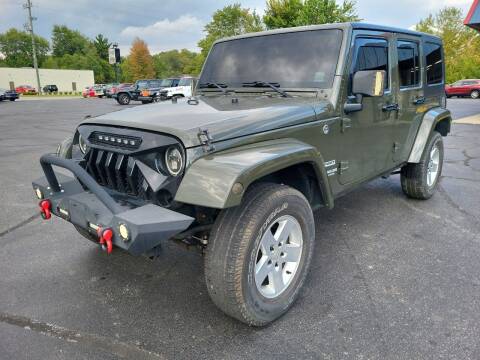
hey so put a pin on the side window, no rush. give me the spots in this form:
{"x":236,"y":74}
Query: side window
{"x":408,"y":64}
{"x":433,"y":54}
{"x":371,"y":54}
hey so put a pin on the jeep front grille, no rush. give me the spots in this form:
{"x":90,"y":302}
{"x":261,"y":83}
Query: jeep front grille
{"x":118,"y":172}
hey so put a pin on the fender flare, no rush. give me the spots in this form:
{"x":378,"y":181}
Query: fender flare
{"x":209,"y":180}
{"x":430,"y":120}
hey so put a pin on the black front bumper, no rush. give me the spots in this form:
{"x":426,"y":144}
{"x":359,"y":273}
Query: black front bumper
{"x":83,"y":202}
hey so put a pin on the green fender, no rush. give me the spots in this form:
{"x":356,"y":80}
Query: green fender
{"x":209,"y":180}
{"x":429,"y":122}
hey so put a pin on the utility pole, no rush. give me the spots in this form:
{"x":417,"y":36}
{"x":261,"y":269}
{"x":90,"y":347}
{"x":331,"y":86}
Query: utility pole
{"x":29,"y":28}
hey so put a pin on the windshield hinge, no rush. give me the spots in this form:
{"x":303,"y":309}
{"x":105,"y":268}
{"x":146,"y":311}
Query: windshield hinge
{"x":206,"y":140}
{"x":343,"y":167}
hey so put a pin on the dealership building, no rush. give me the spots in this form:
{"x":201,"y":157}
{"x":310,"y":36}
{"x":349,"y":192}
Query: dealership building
{"x":66,"y":80}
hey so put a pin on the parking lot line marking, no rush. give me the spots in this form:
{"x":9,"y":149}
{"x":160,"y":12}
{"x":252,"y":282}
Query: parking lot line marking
{"x":121,"y":349}
{"x":20,"y":224}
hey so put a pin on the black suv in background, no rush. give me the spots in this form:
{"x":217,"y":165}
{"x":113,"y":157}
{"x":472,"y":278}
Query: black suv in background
{"x":49,"y":89}
{"x":124,"y":96}
{"x":153,"y":94}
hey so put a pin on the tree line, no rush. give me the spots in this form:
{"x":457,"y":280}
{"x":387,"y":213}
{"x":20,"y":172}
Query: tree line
{"x":70,"y":49}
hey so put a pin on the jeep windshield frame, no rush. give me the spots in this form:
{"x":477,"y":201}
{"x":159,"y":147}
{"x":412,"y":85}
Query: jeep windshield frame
{"x":295,"y":61}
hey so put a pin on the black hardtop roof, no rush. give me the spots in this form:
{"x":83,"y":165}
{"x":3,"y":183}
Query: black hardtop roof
{"x":367,"y":26}
{"x":341,"y":26}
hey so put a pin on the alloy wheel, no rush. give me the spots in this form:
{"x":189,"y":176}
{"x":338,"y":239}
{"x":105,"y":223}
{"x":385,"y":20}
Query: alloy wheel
{"x":433,"y":166}
{"x":278,"y":256}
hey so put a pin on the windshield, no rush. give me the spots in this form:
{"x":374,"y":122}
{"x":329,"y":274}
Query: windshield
{"x":306,"y":59}
{"x":166,"y":82}
{"x":142,"y":84}
{"x":185,"y":82}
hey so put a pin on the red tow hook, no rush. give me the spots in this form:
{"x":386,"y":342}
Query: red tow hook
{"x":105,"y":239}
{"x":45,"y":209}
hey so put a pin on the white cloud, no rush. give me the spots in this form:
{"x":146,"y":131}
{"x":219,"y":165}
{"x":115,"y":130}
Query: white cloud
{"x":181,"y":33}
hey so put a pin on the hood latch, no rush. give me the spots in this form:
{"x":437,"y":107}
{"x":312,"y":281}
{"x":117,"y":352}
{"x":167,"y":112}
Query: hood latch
{"x":206,"y":140}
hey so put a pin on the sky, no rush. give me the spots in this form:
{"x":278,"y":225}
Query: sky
{"x":177,"y":24}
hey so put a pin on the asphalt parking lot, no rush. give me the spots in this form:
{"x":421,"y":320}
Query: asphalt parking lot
{"x":392,"y":278}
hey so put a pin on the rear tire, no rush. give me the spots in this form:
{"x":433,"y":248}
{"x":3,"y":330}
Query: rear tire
{"x":475,"y":94}
{"x":249,"y":280}
{"x":123,"y":99}
{"x":419,"y":181}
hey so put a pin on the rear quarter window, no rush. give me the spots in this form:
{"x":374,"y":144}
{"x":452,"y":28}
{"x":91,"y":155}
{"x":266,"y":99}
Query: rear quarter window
{"x":434,"y":63}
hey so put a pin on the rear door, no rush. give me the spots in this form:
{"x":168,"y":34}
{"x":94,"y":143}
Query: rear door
{"x":411,"y":98}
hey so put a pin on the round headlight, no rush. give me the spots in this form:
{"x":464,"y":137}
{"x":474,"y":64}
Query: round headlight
{"x":174,"y":160}
{"x":82,"y":144}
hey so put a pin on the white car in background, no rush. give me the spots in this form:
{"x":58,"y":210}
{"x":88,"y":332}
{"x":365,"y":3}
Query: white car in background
{"x":183,"y":89}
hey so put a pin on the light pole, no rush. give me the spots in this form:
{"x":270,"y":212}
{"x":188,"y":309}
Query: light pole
{"x":29,"y":28}
{"x":114,"y":58}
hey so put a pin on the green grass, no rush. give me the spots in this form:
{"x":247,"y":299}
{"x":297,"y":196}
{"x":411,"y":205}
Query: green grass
{"x":59,"y":94}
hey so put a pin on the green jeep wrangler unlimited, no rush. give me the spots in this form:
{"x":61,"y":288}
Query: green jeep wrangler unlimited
{"x":281,"y":123}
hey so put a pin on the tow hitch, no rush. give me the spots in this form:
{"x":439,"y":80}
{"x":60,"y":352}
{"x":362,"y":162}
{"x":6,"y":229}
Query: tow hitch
{"x":105,"y":239}
{"x":45,"y":209}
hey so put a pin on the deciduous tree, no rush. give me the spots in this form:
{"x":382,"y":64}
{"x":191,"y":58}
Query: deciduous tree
{"x":282,"y":13}
{"x":16,"y":47}
{"x":140,"y":62}
{"x":288,"y":13}
{"x":461,"y":44}
{"x":229,"y":21}
{"x":67,"y":41}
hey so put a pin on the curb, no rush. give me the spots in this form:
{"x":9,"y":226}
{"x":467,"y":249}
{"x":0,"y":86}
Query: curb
{"x":471,"y":120}
{"x":34,"y":98}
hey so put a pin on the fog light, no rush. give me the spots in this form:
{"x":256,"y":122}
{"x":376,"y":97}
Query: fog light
{"x":39,"y":193}
{"x":124,"y":233}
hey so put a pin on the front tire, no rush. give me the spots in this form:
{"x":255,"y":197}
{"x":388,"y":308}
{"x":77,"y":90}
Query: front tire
{"x":123,"y":99}
{"x":475,"y":94}
{"x":419,"y":181}
{"x":259,"y":253}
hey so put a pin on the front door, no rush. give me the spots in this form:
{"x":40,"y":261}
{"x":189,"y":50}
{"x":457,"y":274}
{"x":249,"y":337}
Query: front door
{"x":366,"y":142}
{"x":411,"y":98}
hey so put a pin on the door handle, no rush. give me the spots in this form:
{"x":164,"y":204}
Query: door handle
{"x":419,"y":101}
{"x":390,"y":107}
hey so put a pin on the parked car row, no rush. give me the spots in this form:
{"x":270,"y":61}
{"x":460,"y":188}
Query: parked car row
{"x":153,"y":90}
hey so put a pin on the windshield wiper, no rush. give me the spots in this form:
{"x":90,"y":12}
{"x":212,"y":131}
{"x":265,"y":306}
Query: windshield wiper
{"x":273,"y":86}
{"x":212,"y":84}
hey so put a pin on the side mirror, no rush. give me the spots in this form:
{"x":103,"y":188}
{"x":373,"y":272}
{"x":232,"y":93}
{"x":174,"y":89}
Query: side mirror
{"x":365,"y":83}
{"x":369,"y":83}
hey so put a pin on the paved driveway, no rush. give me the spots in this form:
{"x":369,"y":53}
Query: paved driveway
{"x":392,"y":278}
